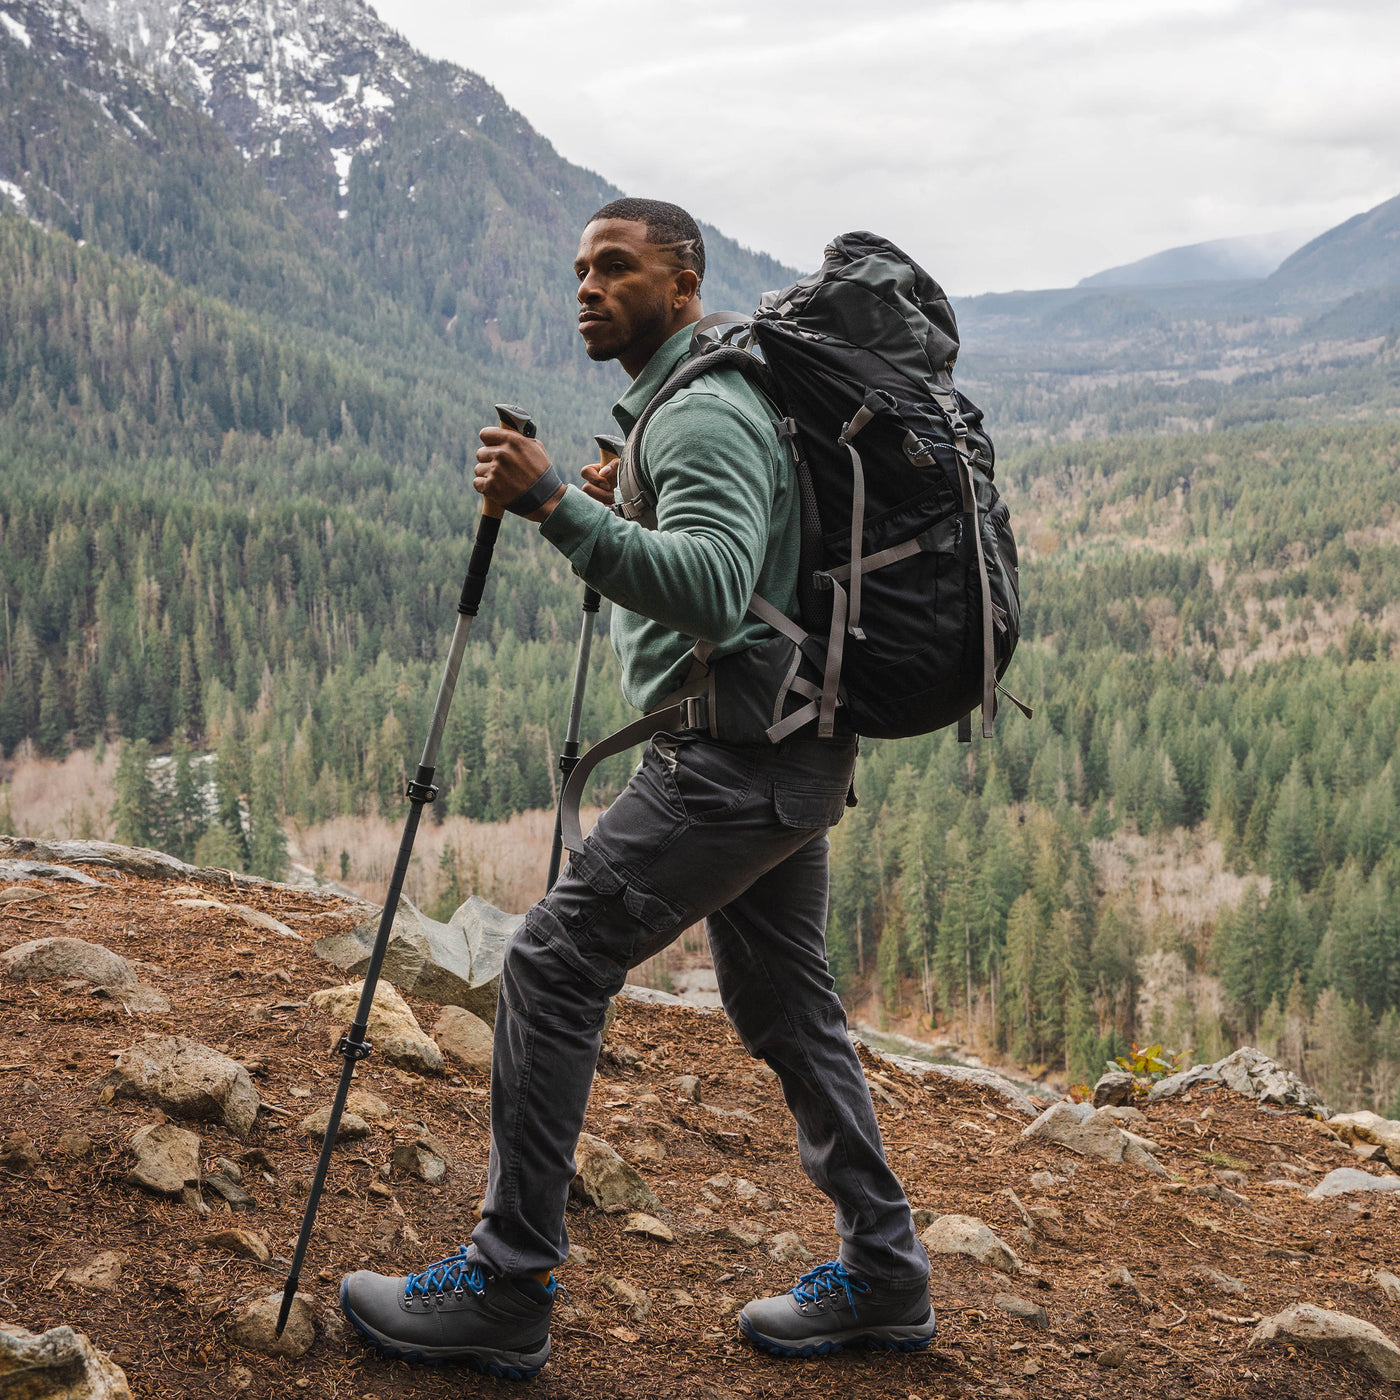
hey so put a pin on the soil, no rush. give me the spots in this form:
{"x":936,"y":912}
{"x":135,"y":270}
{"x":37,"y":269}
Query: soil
{"x":243,"y":990}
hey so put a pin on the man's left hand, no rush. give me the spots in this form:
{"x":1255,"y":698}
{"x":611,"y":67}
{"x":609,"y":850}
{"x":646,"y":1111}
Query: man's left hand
{"x":507,"y":465}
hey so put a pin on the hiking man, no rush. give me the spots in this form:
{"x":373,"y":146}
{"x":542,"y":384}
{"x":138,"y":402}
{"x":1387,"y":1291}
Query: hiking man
{"x":734,"y":833}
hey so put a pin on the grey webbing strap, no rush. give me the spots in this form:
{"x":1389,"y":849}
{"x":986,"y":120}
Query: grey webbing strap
{"x":675,"y":716}
{"x":892,"y":555}
{"x":719,"y":318}
{"x":794,"y":722}
{"x":1019,"y":704}
{"x":764,"y":611}
{"x":785,"y":689}
{"x":835,"y":647}
{"x":533,"y":497}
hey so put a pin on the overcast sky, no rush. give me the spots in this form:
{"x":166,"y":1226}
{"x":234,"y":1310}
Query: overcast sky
{"x":1003,"y":143}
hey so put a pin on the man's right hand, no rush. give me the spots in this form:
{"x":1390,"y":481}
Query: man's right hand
{"x":599,"y":482}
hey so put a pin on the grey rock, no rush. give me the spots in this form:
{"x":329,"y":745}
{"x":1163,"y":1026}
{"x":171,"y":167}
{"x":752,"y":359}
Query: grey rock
{"x":421,"y":1158}
{"x":1179,"y":1083}
{"x":231,"y":1191}
{"x":1368,"y":1128}
{"x":787,"y":1248}
{"x":465,"y":1036}
{"x":994,"y":1083}
{"x":651,"y":996}
{"x":1337,"y":1336}
{"x":67,"y":959}
{"x":1344,"y":1180}
{"x":965,"y":1234}
{"x":607,"y":1181}
{"x":1388,"y":1284}
{"x":229,"y":1168}
{"x":1098,"y":1136}
{"x":456,"y":963}
{"x":1249,"y":1072}
{"x":1045,"y":1181}
{"x":1220,"y":1283}
{"x":188,"y":1080}
{"x":351,"y":1128}
{"x":166,"y":1159}
{"x":1023,"y":1309}
{"x":255,"y":1328}
{"x":688,"y":1087}
{"x":59,"y":1364}
{"x":393,"y":1028}
{"x":1114,"y":1088}
{"x":42,"y":870}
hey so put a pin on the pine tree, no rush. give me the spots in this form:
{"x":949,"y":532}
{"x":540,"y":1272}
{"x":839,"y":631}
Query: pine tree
{"x":267,"y":841}
{"x":450,"y":894}
{"x":53,"y":714}
{"x":137,"y":813}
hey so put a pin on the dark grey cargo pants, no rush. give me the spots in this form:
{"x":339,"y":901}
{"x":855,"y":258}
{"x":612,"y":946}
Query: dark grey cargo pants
{"x":736,"y":835}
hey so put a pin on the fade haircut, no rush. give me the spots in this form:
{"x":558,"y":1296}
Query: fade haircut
{"x":666,"y":224}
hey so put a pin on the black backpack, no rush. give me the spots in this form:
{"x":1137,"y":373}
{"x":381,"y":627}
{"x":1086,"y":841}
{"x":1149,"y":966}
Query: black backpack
{"x":908,"y":583}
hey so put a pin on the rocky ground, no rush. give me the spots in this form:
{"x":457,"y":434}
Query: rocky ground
{"x":1152,"y":1274}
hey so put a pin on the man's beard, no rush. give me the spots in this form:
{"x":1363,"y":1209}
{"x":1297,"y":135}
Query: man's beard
{"x":644,"y":325}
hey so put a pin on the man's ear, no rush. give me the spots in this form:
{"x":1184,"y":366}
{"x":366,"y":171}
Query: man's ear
{"x":686,"y":288}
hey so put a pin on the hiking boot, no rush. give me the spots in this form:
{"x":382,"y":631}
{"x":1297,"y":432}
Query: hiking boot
{"x":829,"y":1309}
{"x":455,"y":1310}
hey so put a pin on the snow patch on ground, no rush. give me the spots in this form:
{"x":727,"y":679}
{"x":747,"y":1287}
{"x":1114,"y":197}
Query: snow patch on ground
{"x":342,"y":161}
{"x":12,"y":192}
{"x":376,"y":100}
{"x":17,"y":29}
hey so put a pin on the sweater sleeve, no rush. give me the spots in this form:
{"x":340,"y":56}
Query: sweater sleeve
{"x":709,"y":466}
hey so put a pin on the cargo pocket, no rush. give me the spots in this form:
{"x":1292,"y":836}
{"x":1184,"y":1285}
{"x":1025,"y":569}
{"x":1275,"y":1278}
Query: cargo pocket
{"x":808,"y":809}
{"x":598,"y":936}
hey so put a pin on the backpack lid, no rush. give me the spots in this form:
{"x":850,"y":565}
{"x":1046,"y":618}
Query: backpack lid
{"x":870,"y":293}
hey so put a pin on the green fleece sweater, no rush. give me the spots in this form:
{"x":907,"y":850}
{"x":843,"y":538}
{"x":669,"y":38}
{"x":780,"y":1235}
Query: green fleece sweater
{"x":728,"y":527}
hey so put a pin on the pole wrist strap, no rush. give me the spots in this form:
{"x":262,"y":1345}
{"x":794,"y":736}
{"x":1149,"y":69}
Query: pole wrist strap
{"x":527,"y":502}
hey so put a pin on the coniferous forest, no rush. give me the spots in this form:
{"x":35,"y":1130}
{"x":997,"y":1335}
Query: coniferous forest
{"x":236,"y":455}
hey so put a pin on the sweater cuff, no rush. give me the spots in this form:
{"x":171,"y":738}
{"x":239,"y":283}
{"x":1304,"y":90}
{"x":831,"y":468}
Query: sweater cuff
{"x":572,"y":526}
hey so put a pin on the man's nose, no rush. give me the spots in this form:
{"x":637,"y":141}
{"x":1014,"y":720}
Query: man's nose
{"x":589,"y":291}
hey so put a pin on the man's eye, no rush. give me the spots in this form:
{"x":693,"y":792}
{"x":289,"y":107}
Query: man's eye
{"x":617,"y":267}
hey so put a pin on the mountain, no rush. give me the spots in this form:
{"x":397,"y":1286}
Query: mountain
{"x":1362,"y":253}
{"x":1220,"y":260}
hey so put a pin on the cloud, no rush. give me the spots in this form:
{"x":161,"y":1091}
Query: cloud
{"x":1002,"y":142}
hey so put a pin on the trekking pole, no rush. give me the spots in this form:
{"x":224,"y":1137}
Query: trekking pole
{"x":609,"y":449}
{"x":353,"y":1047}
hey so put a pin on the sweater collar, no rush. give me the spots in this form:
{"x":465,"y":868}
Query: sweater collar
{"x":658,"y":369}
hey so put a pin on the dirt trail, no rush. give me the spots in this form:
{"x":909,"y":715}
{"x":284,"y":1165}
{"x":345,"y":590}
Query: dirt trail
{"x":239,"y":989}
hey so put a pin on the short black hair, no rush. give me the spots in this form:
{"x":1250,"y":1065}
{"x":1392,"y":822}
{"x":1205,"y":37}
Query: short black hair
{"x":666,"y":223}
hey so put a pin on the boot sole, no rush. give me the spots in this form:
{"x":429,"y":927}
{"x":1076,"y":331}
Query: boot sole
{"x":490,"y":1361}
{"x":908,"y":1338}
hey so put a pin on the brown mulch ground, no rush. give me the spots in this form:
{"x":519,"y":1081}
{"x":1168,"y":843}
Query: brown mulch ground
{"x":242,"y":990}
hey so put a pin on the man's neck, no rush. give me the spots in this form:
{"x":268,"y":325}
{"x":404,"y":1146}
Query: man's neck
{"x":638,"y":355}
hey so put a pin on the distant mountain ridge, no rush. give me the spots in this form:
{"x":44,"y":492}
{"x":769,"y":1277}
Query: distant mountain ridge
{"x":1219,"y":260}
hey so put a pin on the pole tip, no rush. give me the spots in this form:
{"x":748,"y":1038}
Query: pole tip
{"x":288,"y":1293}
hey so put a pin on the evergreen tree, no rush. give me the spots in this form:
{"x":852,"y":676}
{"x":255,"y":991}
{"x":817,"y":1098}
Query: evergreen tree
{"x":53,"y":714}
{"x":138,"y":813}
{"x":267,"y":841}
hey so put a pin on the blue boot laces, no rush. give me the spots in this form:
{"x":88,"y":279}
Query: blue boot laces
{"x":829,"y":1278}
{"x":454,"y":1272}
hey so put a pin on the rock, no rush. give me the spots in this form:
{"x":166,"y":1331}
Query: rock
{"x":59,"y":1364}
{"x":607,"y":1181}
{"x":1221,"y":1283}
{"x":1337,"y":1336}
{"x":1127,"y":1117}
{"x":394,"y":1031}
{"x":1045,"y":1181}
{"x":257,"y":919}
{"x":226,"y":1166}
{"x":74,"y":1143}
{"x":167,"y":1159}
{"x":255,"y":1328}
{"x":231,"y":1191}
{"x":190,"y":1196}
{"x":638,"y":1300}
{"x":350,"y":1129}
{"x":138,"y":999}
{"x":18,"y":1152}
{"x":1023,"y":1309}
{"x":996,"y":1084}
{"x":688,"y":1087}
{"x":1347,"y":1179}
{"x":464,"y":1036}
{"x":640,"y":1223}
{"x":420,"y":1158}
{"x":965,"y":1234}
{"x":67,"y":960}
{"x":243,"y":1243}
{"x":1249,"y":1072}
{"x":1368,"y":1128}
{"x":1115,"y":1087}
{"x":187,"y":1080}
{"x":456,"y":963}
{"x":100,"y":1274}
{"x":652,"y":996}
{"x":367,"y":1105}
{"x":1388,"y":1284}
{"x":787,"y":1248}
{"x":1098,"y":1136}
{"x":42,"y":870}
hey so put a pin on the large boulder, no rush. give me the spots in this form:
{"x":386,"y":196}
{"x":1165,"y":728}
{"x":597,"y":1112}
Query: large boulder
{"x":1369,"y":1128}
{"x":1093,"y":1133}
{"x":67,"y":960}
{"x":394,"y":1031}
{"x":59,"y":1364}
{"x":1338,"y":1336}
{"x":1249,"y":1072}
{"x":42,"y":870}
{"x":457,"y":963}
{"x":187,"y":1080}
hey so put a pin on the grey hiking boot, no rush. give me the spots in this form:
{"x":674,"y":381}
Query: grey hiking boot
{"x":828,"y":1309}
{"x":455,"y":1310}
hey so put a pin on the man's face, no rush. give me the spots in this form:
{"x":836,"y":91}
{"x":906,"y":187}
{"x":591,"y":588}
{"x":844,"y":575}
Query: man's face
{"x":629,"y":291}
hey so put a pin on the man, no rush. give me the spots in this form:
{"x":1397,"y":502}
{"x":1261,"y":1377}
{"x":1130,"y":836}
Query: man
{"x":731,"y":832}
